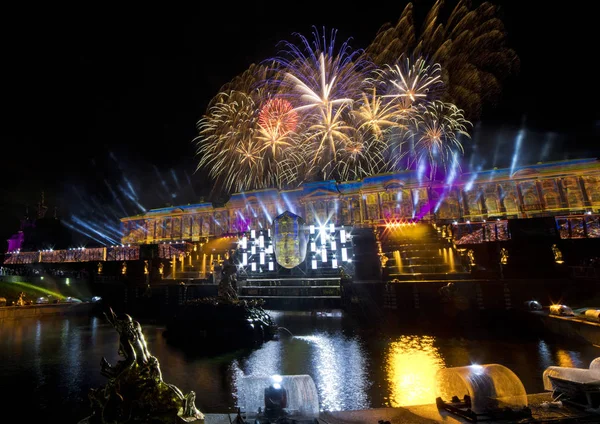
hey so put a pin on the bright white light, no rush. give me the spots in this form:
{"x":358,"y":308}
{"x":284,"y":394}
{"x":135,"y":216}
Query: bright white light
{"x":262,"y":258}
{"x":312,"y":229}
{"x":313,"y":246}
{"x":277,"y":378}
{"x":67,"y":282}
{"x":261,"y":241}
{"x":331,"y":228}
{"x":477,"y":369}
{"x":253,"y":234}
{"x":343,"y":236}
{"x":269,"y":249}
{"x":333,"y":245}
{"x":323,"y":236}
{"x":244,"y":242}
{"x":269,"y":232}
{"x":344,"y":254}
{"x":334,"y":263}
{"x":314,"y":264}
{"x":271,"y":266}
{"x":253,"y":266}
{"x":324,"y":255}
{"x":253,"y":250}
{"x":244,"y":258}
{"x":276,"y":386}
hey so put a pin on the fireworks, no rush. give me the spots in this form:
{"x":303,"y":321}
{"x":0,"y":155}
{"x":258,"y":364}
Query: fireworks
{"x":276,"y":119}
{"x":317,"y":111}
{"x":410,"y":83}
{"x":470,"y":46}
{"x":437,"y":129}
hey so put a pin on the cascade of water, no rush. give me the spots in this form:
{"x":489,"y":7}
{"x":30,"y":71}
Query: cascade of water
{"x":489,"y":386}
{"x":302,"y":397}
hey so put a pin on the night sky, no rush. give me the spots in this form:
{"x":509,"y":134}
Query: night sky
{"x":100,"y":106}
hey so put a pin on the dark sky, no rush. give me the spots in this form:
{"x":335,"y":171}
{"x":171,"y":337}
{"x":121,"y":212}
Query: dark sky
{"x":100,"y":105}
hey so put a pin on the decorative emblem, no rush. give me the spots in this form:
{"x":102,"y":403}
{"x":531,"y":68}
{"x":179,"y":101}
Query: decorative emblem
{"x":289,"y":240}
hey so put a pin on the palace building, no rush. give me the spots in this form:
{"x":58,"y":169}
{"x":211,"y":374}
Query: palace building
{"x":569,"y":187}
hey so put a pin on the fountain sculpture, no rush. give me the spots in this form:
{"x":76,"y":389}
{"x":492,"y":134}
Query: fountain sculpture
{"x":223,"y":322}
{"x":135,"y":392}
{"x":491,"y":391}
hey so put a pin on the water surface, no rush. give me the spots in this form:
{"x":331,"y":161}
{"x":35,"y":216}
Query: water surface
{"x":47,"y":365}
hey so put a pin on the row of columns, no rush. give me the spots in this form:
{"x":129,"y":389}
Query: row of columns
{"x":196,"y":227}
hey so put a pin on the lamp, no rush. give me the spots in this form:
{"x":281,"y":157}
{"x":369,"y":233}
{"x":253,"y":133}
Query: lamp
{"x":275,"y":400}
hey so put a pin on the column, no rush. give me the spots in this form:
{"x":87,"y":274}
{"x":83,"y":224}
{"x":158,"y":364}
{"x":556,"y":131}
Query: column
{"x":463,"y":200}
{"x":361,"y":208}
{"x":561,"y":192}
{"x":500,"y":192}
{"x":540,"y":192}
{"x":520,"y":199}
{"x":482,"y":202}
{"x":586,"y":199}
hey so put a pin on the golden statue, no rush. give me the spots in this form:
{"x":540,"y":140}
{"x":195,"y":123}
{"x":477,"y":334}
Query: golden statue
{"x":471,"y":256}
{"x":503,"y":256}
{"x":146,"y":267}
{"x":558,"y":257}
{"x":135,"y":391}
{"x":161,"y":269}
{"x":99,"y":268}
{"x":124,"y":268}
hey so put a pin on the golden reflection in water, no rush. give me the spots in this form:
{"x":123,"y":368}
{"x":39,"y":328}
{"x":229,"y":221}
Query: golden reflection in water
{"x":411,"y":365}
{"x":398,"y":260}
{"x":564,"y":358}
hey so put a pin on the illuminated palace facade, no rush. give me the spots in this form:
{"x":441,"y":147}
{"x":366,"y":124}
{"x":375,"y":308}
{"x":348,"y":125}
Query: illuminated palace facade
{"x":545,"y":189}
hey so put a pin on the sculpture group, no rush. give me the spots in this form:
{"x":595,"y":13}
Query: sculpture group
{"x":135,"y":392}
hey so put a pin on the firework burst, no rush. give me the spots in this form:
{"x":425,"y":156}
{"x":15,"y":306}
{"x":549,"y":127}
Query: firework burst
{"x":376,"y":114}
{"x":437,"y":128}
{"x":321,"y":112}
{"x":410,"y":83}
{"x":469,"y":44}
{"x":322,"y":83}
{"x":277,"y":119}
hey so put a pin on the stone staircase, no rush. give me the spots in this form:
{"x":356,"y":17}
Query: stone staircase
{"x":419,"y":252}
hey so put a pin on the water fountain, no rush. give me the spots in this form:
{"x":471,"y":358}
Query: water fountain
{"x":579,"y":386}
{"x":279,"y":398}
{"x":490,"y":391}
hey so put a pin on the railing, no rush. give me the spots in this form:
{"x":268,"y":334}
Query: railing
{"x":480,"y":232}
{"x":578,"y":226}
{"x":96,"y":254}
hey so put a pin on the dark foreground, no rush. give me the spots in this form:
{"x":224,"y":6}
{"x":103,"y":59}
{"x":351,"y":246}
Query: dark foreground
{"x":48,"y":364}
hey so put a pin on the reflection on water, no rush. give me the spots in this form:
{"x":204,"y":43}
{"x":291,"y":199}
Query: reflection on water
{"x":56,"y":360}
{"x":334,"y":359}
{"x":568,"y":358}
{"x":411,"y":364}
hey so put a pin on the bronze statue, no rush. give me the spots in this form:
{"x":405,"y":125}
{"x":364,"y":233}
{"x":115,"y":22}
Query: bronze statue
{"x":135,"y":392}
{"x":227,"y":289}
